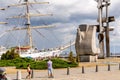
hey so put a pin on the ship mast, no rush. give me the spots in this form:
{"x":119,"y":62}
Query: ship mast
{"x":28,"y":15}
{"x":28,"y":24}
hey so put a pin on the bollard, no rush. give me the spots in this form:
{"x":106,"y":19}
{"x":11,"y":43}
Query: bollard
{"x":83,"y":69}
{"x":68,"y":71}
{"x":18,"y":75}
{"x":96,"y":68}
{"x":32,"y":73}
{"x":108,"y":67}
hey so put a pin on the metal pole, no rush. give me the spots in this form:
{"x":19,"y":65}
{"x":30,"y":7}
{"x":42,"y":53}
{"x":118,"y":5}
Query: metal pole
{"x":107,"y":33}
{"x":96,"y":68}
{"x":108,"y":67}
{"x":68,"y":70}
{"x":119,"y":66}
{"x":83,"y":69}
{"x":32,"y":75}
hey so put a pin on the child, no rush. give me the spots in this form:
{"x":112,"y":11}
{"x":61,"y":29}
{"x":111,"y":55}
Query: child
{"x":29,"y":72}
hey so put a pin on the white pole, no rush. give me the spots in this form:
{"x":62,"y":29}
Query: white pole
{"x":19,"y":49}
{"x":114,"y":50}
{"x":19,"y":75}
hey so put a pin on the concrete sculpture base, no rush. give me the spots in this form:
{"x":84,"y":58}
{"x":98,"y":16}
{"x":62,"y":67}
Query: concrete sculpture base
{"x":88,"y":58}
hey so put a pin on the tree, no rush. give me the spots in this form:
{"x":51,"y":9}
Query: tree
{"x":70,"y":57}
{"x":10,"y":54}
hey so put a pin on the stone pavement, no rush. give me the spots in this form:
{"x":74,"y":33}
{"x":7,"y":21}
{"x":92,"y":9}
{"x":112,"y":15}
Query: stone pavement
{"x":76,"y":74}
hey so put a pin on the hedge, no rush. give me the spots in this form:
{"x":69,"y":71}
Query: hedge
{"x":21,"y":63}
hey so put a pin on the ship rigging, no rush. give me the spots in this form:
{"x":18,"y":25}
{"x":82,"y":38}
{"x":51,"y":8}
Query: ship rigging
{"x":28,"y":27}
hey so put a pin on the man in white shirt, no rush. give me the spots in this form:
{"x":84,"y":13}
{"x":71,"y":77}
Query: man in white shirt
{"x":50,"y":69}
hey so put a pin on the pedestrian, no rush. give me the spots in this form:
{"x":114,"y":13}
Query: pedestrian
{"x":29,"y":72}
{"x":50,"y":68}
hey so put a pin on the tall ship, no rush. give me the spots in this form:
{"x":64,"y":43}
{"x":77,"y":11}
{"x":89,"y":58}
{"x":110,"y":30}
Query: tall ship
{"x":28,"y":49}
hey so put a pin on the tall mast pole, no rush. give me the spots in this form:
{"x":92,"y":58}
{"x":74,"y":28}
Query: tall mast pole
{"x":27,"y":16}
{"x":28,"y":24}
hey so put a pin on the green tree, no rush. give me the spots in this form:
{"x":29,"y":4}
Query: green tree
{"x":70,"y":57}
{"x":77,"y":58}
{"x":10,"y":54}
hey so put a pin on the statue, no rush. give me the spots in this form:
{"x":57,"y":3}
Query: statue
{"x":85,"y":44}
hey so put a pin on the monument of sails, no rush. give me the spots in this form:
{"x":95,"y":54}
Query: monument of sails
{"x":85,"y":44}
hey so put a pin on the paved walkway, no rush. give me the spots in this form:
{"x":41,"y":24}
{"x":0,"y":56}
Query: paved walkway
{"x":76,"y":74}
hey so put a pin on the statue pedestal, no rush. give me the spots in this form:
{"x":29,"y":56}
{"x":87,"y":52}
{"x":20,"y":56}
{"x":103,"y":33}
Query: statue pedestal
{"x":88,"y":58}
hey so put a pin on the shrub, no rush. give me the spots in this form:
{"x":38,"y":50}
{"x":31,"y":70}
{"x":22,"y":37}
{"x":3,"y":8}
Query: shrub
{"x":10,"y":54}
{"x":71,"y":58}
{"x":21,"y":63}
{"x":60,"y":63}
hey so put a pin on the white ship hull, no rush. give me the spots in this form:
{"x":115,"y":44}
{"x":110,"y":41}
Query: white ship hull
{"x":41,"y":54}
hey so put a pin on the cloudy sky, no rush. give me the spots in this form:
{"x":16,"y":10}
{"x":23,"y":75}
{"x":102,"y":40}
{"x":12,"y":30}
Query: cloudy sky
{"x":67,"y":15}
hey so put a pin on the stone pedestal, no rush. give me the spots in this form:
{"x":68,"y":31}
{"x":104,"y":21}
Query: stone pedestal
{"x":88,"y":58}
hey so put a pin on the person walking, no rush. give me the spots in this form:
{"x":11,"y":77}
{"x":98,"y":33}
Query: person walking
{"x":50,"y":68}
{"x":29,"y":72}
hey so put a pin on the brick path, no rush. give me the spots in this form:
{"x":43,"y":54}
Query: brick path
{"x":76,"y":74}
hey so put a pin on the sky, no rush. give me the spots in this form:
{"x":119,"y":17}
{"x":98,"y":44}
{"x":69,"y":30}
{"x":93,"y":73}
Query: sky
{"x":67,"y":16}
